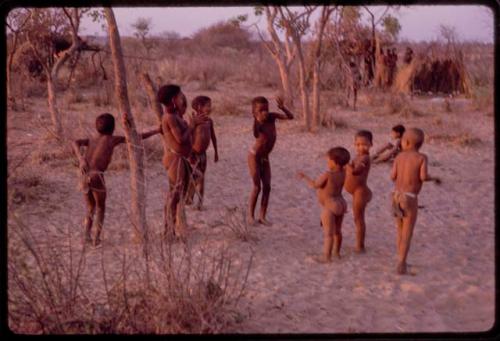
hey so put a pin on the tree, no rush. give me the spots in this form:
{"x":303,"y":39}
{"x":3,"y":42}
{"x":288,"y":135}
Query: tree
{"x":16,"y":22}
{"x":45,"y":28}
{"x":282,"y":52}
{"x":142,"y":28}
{"x":134,"y":145}
{"x":391,"y":26}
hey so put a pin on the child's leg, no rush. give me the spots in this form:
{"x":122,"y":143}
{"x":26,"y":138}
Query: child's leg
{"x":361,"y":197}
{"x":201,"y":181}
{"x":254,"y":168}
{"x":100,"y":199}
{"x":410,"y":208}
{"x":90,"y":202}
{"x":337,"y":236}
{"x":399,"y":227}
{"x":266,"y":190}
{"x":176,"y":177}
{"x":328,"y":223}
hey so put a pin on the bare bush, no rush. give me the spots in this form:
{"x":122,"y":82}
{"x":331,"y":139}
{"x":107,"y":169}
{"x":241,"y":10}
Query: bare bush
{"x":235,"y":219}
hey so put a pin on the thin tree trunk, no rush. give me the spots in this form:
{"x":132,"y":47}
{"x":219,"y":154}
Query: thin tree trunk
{"x":316,"y":119}
{"x":304,"y":92}
{"x":285,"y":82}
{"x":134,"y":143}
{"x":54,"y":111}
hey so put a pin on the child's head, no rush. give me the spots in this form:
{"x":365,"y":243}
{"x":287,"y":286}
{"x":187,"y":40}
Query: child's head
{"x":105,"y":124}
{"x":363,"y":140}
{"x":202,"y":105}
{"x":338,"y":156}
{"x":173,"y":98}
{"x":260,"y":108}
{"x":397,"y":131}
{"x":413,"y":138}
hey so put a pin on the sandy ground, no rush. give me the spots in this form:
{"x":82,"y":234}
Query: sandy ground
{"x":451,"y":285}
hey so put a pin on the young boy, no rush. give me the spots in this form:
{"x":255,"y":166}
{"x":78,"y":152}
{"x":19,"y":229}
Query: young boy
{"x":329,"y":191}
{"x":409,"y":171}
{"x":94,"y":164}
{"x":356,"y":184}
{"x":390,"y":150}
{"x":264,"y":130}
{"x":202,"y":134}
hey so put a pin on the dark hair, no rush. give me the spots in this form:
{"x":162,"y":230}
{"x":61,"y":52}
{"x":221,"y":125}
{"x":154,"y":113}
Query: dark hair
{"x":366,"y":134}
{"x":339,"y":155}
{"x":200,"y":101}
{"x":259,"y":99}
{"x":105,"y":124}
{"x":167,"y":92}
{"x":400,"y":129}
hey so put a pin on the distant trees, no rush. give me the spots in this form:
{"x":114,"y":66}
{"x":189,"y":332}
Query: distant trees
{"x":391,"y":26}
{"x":142,"y":28}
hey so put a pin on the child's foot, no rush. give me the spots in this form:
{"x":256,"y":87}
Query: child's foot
{"x":360,"y":250}
{"x":401,"y":269}
{"x":97,"y":242}
{"x":321,"y":259}
{"x":265,"y":222}
{"x":251,"y":221}
{"x":200,"y":207}
{"x":337,"y":256}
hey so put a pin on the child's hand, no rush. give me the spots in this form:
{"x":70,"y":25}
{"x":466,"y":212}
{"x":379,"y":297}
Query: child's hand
{"x":279,"y":102}
{"x":84,"y":166}
{"x":126,"y":119}
{"x":216,"y":158}
{"x":199,"y":119}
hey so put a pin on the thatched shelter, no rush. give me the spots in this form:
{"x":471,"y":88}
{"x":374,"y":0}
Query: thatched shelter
{"x":439,"y":75}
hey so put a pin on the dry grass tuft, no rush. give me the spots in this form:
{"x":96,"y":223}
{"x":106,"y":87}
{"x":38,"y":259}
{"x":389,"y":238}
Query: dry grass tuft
{"x":228,"y":106}
{"x":460,"y":140}
{"x":235,"y":219}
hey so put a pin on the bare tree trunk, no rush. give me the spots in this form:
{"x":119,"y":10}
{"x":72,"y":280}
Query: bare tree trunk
{"x":134,"y":143}
{"x":316,"y":119}
{"x":54,"y":111}
{"x":285,"y":82}
{"x":304,"y":91}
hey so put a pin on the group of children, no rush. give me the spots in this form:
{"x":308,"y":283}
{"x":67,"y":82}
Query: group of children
{"x":185,"y":144}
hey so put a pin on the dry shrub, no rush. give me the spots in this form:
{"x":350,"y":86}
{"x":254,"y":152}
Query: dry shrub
{"x":229,"y":106}
{"x":175,"y":289}
{"x":482,"y":98}
{"x":52,"y":154}
{"x":235,"y":219}
{"x":24,"y":188}
{"x":398,"y":105}
{"x":460,"y":140}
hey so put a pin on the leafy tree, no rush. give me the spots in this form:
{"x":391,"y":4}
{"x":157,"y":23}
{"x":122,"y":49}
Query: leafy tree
{"x":391,"y":26}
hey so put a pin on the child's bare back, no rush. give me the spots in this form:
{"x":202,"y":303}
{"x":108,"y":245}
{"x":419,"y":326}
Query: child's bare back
{"x":329,"y":192}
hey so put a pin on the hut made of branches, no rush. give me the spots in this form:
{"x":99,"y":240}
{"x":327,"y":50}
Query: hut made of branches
{"x":436,"y":75}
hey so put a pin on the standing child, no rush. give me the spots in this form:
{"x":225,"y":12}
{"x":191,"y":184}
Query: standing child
{"x":329,"y":191}
{"x":390,"y":150}
{"x":409,"y":171}
{"x":94,"y":164}
{"x":202,"y":134}
{"x":264,"y":130}
{"x":356,"y":184}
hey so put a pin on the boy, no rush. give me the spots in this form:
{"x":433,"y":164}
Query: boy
{"x":409,"y":171}
{"x":354,"y":83}
{"x":202,"y":134}
{"x":94,"y":164}
{"x":389,"y":150}
{"x":264,"y":130}
{"x":356,"y":184}
{"x":329,"y":191}
{"x":177,"y":134}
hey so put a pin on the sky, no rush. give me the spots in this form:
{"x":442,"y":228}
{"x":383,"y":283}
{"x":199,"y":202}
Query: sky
{"x":417,"y":22}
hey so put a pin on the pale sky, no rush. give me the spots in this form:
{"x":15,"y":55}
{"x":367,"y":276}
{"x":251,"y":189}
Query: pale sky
{"x":417,"y":22}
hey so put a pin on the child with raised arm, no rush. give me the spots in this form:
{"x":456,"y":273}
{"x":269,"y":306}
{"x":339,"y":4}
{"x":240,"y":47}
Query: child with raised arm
{"x":93,"y":165}
{"x":356,"y":184}
{"x":390,"y":150}
{"x":409,"y":171}
{"x":264,"y":130}
{"x":329,"y":191}
{"x":202,"y":135}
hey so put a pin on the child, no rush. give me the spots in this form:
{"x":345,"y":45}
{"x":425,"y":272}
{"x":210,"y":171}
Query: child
{"x":264,"y":130}
{"x":390,"y":151}
{"x":356,"y":184}
{"x":202,"y":134}
{"x":94,"y":164}
{"x":409,"y":171}
{"x":329,"y":192}
{"x":354,"y":83}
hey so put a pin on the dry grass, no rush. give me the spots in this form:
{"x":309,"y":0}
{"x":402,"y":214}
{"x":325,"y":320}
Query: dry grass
{"x":398,"y":105}
{"x":235,"y":219}
{"x":460,"y":140}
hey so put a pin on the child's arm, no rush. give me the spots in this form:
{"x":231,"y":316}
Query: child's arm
{"x":287,"y":116}
{"x":255,"y":128}
{"x":388,"y":145}
{"x":214,"y":141}
{"x":357,"y":168}
{"x":424,"y":174}
{"x":81,"y":159}
{"x":150,"y":133}
{"x":394,"y":172}
{"x":319,"y":183}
